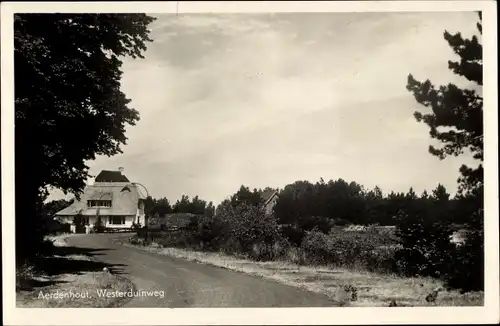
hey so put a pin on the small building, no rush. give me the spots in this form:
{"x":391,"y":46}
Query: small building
{"x":117,"y":201}
{"x":269,"y":197}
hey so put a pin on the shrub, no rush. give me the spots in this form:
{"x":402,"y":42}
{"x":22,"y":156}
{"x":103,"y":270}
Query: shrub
{"x":346,"y":249}
{"x":24,"y":277}
{"x":142,"y":232}
{"x":294,"y":255}
{"x":79,"y":222}
{"x":320,"y":223}
{"x":247,"y":225}
{"x":379,"y":260}
{"x":99,"y":225}
{"x":383,"y":236}
{"x":65,"y":228}
{"x":293,"y":234}
{"x":176,"y":239}
{"x":315,"y":246}
{"x":263,"y":252}
{"x":211,"y":233}
{"x":426,"y":249}
{"x":466,"y":266}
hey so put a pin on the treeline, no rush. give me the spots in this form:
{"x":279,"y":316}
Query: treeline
{"x":162,"y":206}
{"x":198,"y":206}
{"x":350,"y":203}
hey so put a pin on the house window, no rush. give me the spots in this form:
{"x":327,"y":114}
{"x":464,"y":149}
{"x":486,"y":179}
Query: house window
{"x":99,"y":203}
{"x":116,"y":220}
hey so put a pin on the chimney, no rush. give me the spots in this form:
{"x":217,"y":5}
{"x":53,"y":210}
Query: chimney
{"x":120,"y":169}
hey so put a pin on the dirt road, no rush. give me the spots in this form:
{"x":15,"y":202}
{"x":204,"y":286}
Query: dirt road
{"x":190,"y":284}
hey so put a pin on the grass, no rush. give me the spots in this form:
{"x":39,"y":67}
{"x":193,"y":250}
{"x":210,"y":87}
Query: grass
{"x":372,"y":289}
{"x":69,"y":290}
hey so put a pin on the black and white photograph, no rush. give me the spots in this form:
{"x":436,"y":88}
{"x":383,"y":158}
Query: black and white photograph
{"x":173,"y":158}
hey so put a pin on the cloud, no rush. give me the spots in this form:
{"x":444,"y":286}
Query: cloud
{"x":264,"y":100}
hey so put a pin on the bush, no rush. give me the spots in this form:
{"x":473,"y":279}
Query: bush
{"x":427,"y":248}
{"x":316,"y":248}
{"x":65,"y":228}
{"x":98,"y":225}
{"x":428,"y":251}
{"x":142,"y":232}
{"x":382,"y":236}
{"x":211,"y":233}
{"x":176,"y":239}
{"x":24,"y":277}
{"x":466,"y":266}
{"x":379,"y":260}
{"x":247,"y":225}
{"x":320,"y":223}
{"x":294,"y":235}
{"x":346,"y":249}
{"x":263,"y":252}
{"x":79,"y":222}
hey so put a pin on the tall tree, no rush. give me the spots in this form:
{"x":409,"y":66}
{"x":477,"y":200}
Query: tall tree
{"x":411,"y":195}
{"x":161,"y":207}
{"x":149,"y":204}
{"x":440,"y":194}
{"x":182,"y":205}
{"x":68,"y":103}
{"x":198,"y":206}
{"x":245,"y":195}
{"x":457,"y":114}
{"x":209,"y":210}
{"x":457,"y":122}
{"x":424,"y":195}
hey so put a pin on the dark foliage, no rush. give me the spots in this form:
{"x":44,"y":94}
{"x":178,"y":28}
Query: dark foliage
{"x":68,"y":104}
{"x":456,"y":121}
{"x":466,"y":266}
{"x":460,"y":109}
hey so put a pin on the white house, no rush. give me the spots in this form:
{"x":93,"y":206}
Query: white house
{"x":113,"y":197}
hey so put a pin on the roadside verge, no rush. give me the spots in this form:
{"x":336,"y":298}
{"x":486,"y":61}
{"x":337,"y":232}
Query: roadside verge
{"x":72,"y":278}
{"x":343,"y":286}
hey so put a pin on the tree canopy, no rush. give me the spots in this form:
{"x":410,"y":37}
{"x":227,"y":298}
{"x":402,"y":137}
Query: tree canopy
{"x":69,"y":106}
{"x":457,"y":122}
{"x":195,"y":205}
{"x":68,"y":103}
{"x":456,"y":119}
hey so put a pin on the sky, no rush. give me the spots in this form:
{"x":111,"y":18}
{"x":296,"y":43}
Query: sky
{"x":269,"y":99}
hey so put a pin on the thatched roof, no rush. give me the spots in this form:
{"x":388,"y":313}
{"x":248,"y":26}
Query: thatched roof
{"x":124,"y":197}
{"x":111,"y":176}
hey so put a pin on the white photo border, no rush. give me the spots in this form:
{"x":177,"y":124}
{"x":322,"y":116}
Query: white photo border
{"x":489,"y":313}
